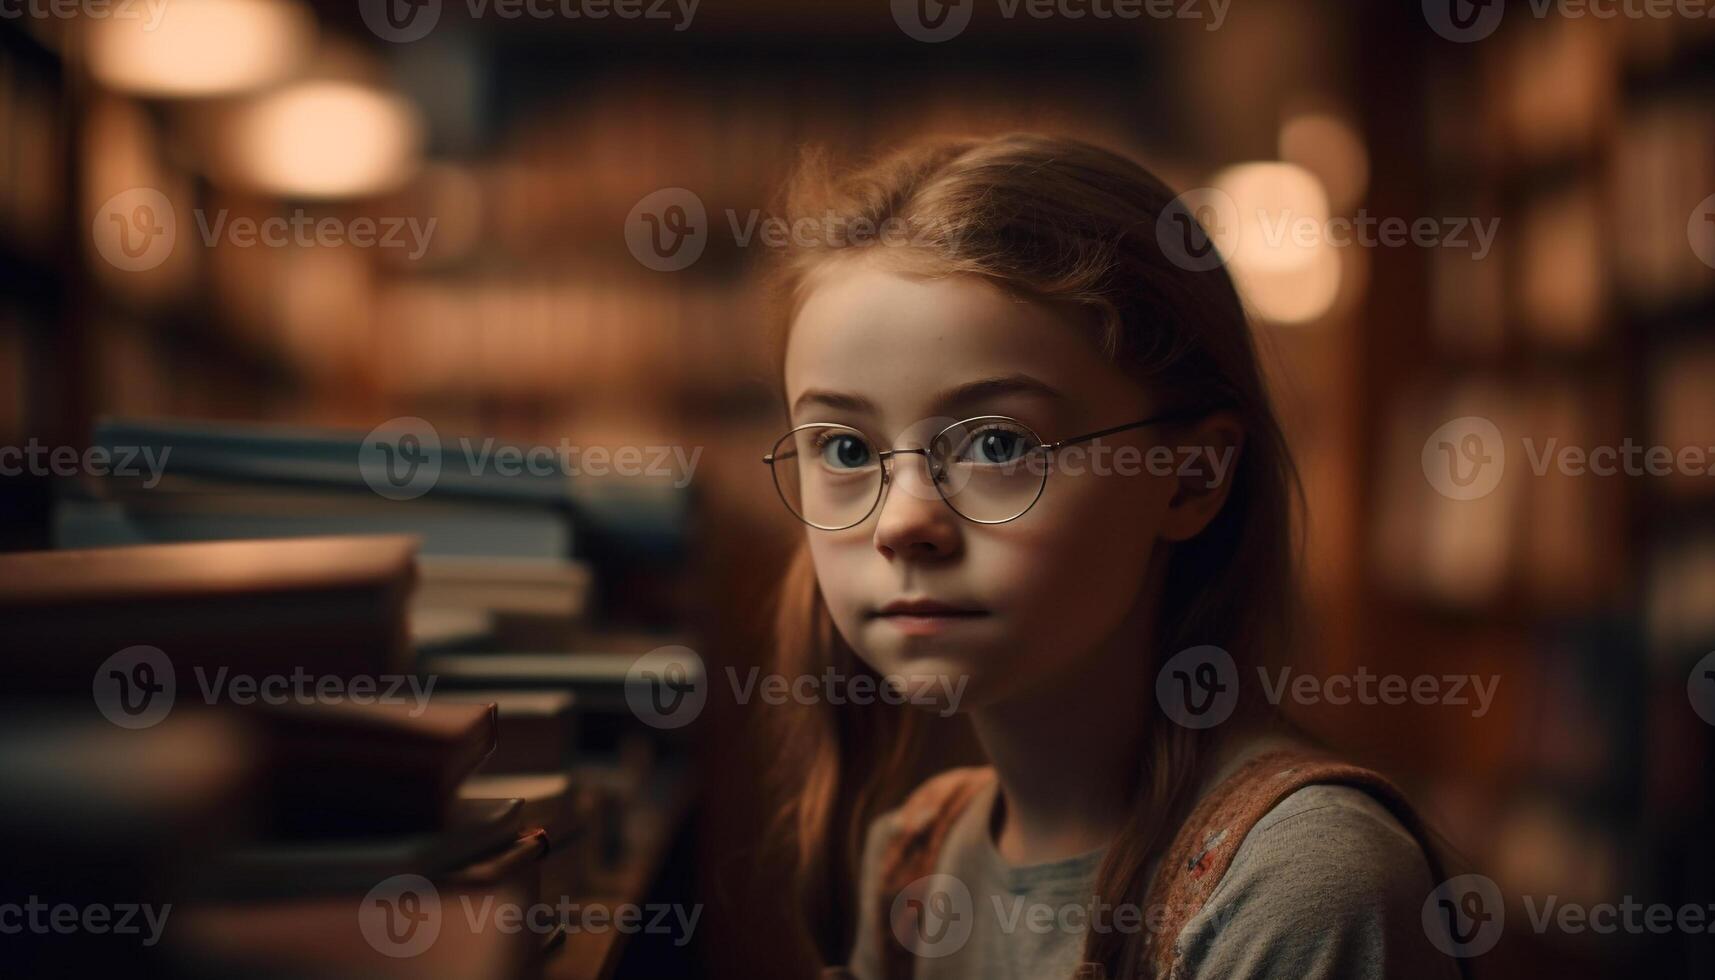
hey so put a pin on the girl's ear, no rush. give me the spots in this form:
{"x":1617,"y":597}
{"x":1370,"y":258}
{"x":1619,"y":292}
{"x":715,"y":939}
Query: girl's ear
{"x":1205,"y":462}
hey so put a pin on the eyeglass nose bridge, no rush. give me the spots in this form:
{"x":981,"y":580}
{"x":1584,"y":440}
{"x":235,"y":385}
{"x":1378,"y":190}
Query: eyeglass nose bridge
{"x":935,"y":466}
{"x":937,"y":469}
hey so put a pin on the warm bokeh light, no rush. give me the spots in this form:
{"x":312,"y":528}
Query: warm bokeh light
{"x":1293,"y":295}
{"x":1328,"y":146}
{"x":201,"y":48}
{"x":1281,"y":257}
{"x":1275,"y":201}
{"x":325,"y":140}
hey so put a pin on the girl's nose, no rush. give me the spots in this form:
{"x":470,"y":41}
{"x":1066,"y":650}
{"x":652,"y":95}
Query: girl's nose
{"x":915,"y":522}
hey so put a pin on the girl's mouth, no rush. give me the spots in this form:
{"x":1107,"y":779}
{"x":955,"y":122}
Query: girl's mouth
{"x":921,"y":617}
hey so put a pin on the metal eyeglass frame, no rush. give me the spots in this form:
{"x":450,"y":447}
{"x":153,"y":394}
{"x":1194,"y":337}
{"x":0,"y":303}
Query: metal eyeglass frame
{"x":884,"y":456}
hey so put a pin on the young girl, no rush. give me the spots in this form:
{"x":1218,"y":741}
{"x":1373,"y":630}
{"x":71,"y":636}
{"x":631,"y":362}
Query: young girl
{"x":1036,"y":462}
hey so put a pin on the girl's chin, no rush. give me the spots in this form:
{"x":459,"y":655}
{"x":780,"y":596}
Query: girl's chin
{"x":924,"y":667}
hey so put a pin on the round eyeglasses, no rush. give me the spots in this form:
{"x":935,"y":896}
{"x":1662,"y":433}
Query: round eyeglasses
{"x":989,"y":470}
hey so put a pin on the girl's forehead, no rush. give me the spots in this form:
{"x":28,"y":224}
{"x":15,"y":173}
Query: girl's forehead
{"x":885,"y":332}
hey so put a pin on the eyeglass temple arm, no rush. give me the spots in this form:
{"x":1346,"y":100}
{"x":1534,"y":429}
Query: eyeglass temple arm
{"x":1152,"y":420}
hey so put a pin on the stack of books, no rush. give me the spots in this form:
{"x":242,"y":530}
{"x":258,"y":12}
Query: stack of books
{"x":266,"y":761}
{"x":425,"y":717}
{"x":497,"y":542}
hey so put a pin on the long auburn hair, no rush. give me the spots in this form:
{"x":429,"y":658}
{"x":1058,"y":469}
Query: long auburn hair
{"x":1063,"y":222}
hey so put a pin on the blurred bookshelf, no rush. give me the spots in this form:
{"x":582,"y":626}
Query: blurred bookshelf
{"x":1593,"y":142}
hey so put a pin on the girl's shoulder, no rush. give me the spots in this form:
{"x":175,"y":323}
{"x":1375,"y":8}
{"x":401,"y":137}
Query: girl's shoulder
{"x":1326,"y":878}
{"x":928,"y":813}
{"x":1328,"y":883}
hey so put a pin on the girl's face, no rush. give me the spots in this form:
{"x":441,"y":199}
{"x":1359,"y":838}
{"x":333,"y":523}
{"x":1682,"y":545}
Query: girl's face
{"x":900,"y":357}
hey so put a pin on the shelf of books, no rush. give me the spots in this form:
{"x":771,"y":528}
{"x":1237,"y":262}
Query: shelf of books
{"x":1580,"y":575}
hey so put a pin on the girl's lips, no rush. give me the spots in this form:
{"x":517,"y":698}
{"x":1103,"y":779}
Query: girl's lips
{"x":925,"y":617}
{"x":927,"y":608}
{"x":912,"y":625}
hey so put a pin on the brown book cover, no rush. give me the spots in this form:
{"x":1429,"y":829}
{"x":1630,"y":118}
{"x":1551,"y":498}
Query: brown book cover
{"x":326,"y":607}
{"x":537,"y":728}
{"x":343,"y":768}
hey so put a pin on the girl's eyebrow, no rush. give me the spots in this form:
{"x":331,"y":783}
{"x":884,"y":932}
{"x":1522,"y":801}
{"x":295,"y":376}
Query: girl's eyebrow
{"x":833,"y":399}
{"x":966,"y":394}
{"x":972,"y":392}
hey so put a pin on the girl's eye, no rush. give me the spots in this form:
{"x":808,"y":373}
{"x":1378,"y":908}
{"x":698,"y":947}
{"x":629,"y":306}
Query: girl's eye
{"x":844,"y":451}
{"x":995,"y":444}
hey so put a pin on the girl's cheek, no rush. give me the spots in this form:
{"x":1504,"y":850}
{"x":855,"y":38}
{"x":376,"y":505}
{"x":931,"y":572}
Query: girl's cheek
{"x":838,"y":562}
